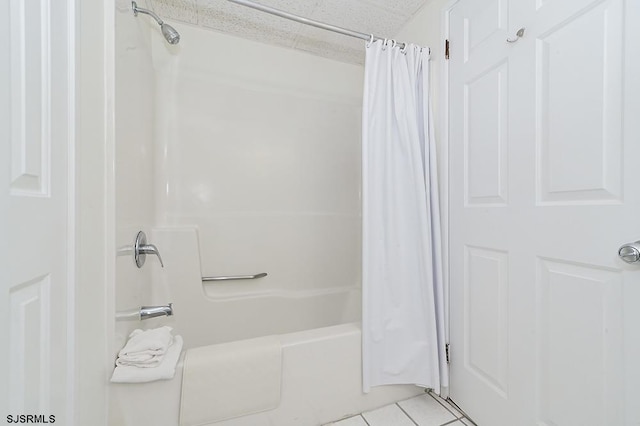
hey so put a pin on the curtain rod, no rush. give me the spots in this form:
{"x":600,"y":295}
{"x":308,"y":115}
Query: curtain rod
{"x":307,"y":21}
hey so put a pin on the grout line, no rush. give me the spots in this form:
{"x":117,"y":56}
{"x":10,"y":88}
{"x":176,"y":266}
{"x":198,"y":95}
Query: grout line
{"x":461,"y":415}
{"x":407,"y":414}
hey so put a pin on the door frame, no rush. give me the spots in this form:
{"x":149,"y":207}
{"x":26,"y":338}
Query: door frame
{"x":92,"y":212}
{"x":443,"y":124}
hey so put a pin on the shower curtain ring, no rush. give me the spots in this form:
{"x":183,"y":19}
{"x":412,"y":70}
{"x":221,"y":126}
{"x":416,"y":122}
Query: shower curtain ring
{"x":370,"y":40}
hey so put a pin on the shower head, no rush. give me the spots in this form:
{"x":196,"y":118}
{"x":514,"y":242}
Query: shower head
{"x":170,"y":34}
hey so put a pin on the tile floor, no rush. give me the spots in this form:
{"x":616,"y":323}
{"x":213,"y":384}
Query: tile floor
{"x":423,"y":410}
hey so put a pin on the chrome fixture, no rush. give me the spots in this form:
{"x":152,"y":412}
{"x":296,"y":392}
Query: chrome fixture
{"x":630,"y":253}
{"x":518,"y":36}
{"x":170,"y":34}
{"x":311,"y":22}
{"x":141,"y":249}
{"x":147,"y":312}
{"x":235,"y":277}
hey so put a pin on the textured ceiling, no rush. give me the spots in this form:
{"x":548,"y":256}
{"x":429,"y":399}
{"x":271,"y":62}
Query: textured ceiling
{"x":384,"y":18}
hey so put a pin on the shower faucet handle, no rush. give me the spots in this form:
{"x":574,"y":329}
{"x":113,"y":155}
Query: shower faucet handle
{"x":150,"y":249}
{"x":141,"y":249}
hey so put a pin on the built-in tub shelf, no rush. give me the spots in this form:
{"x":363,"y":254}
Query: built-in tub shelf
{"x":235,"y":277}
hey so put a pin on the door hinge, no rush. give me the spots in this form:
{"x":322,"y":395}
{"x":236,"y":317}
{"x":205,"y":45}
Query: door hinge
{"x":446,"y":351}
{"x":446,"y":49}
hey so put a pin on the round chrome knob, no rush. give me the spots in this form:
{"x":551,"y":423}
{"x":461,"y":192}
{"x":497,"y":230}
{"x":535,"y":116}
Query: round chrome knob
{"x":630,"y":253}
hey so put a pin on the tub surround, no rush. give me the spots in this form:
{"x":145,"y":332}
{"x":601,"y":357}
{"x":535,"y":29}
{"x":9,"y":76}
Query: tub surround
{"x":259,"y":148}
{"x":217,"y":312}
{"x":321,"y":382}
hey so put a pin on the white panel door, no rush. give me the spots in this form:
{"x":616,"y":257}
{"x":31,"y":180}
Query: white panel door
{"x":545,"y":318}
{"x":35,"y":123}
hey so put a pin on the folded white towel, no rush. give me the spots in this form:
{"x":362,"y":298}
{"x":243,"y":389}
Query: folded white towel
{"x":147,"y":359}
{"x":155,"y":340}
{"x":164,"y":371}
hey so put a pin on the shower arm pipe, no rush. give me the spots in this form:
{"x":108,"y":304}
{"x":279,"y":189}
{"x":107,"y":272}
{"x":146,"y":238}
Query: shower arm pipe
{"x":137,"y":10}
{"x":307,"y":21}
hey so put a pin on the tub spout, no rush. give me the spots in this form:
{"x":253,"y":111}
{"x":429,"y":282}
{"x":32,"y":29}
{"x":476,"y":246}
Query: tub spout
{"x":147,"y":312}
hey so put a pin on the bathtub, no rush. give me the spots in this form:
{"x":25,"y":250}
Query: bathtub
{"x":318,"y":329}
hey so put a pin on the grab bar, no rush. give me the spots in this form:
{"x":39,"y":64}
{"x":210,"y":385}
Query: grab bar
{"x":235,"y":277}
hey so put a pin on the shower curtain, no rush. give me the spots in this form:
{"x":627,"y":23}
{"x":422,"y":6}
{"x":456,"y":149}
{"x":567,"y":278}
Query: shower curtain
{"x":403,"y":304}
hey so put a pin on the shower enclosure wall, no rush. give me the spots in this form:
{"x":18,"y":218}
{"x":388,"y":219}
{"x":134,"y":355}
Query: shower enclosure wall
{"x":237,"y":157}
{"x":258,"y":148}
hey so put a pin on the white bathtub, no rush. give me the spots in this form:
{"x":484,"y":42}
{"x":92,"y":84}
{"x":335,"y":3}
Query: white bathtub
{"x":321,"y":382}
{"x":321,"y":345}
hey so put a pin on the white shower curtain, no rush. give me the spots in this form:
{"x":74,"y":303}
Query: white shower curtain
{"x":403,"y":308}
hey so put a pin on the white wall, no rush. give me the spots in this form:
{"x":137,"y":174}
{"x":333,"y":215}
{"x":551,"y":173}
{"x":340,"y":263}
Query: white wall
{"x":259,"y":146}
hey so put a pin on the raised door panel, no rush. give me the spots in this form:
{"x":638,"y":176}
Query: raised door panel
{"x":486,"y":288}
{"x":579,"y":344}
{"x":481,"y":22}
{"x":485,"y":137}
{"x":579,"y":91}
{"x":30,"y":81}
{"x":30,"y":341}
